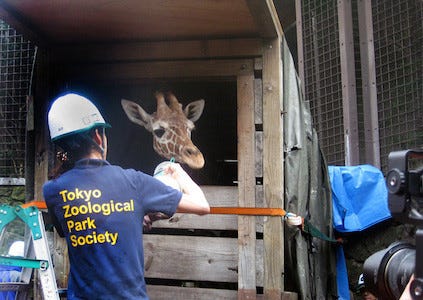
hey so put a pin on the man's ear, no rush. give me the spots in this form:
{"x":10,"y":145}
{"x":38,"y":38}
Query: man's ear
{"x":98,"y":137}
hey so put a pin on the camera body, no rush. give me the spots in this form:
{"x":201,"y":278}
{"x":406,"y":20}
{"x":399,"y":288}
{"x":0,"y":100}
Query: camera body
{"x":387,"y":272}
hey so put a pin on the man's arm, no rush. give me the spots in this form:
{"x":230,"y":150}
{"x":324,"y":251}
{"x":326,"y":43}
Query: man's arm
{"x":193,"y":199}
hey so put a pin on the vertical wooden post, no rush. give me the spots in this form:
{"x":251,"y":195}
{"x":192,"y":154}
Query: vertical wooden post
{"x":40,"y":139}
{"x":41,"y":167}
{"x":300,"y":43}
{"x":273,"y":168}
{"x":246,"y":186}
{"x":29,"y":149}
{"x":368,"y":72}
{"x":349,"y":94}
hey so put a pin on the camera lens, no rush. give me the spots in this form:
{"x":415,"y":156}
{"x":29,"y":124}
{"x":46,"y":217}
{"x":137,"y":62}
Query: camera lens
{"x":387,"y":272}
{"x":395,"y":181}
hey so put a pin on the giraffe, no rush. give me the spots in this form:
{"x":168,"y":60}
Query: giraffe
{"x":171,"y":127}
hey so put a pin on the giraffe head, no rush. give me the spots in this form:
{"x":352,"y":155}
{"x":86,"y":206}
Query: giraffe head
{"x":171,"y":127}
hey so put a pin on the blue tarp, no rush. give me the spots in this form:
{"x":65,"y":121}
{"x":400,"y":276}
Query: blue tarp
{"x":359,"y":196}
{"x":359,"y":200}
{"x":342,"y":275}
{"x":9,"y":274}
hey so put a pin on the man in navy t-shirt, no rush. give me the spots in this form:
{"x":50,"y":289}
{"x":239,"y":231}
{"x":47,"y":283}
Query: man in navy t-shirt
{"x":99,"y":208}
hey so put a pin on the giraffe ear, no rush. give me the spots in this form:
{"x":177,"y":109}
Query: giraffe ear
{"x":194,"y":110}
{"x":136,"y":114}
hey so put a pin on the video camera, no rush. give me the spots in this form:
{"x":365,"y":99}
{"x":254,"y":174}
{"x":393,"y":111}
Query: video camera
{"x":387,"y":272}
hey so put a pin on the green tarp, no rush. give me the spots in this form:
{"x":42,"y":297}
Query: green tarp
{"x":310,"y":263}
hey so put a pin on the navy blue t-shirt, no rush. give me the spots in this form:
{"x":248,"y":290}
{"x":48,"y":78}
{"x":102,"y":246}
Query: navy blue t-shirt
{"x":99,"y":208}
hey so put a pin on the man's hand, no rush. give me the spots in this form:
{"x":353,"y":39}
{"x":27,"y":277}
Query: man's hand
{"x":149,"y":218}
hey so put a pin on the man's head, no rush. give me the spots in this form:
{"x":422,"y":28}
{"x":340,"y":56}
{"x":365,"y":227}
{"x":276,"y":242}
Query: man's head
{"x":77,"y":126}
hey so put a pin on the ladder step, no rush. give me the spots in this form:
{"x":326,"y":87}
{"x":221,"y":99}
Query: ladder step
{"x":24,"y":262}
{"x":33,"y":219}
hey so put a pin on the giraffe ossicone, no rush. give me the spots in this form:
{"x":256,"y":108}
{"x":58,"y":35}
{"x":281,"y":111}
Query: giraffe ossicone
{"x":171,"y":127}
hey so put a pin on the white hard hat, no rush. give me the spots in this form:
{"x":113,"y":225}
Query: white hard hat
{"x":71,"y":114}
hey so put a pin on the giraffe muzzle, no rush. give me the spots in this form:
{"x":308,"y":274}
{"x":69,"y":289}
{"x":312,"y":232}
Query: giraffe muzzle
{"x":193,"y":157}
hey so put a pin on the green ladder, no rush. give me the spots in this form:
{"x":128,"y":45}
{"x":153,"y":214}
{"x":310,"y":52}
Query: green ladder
{"x":33,"y":219}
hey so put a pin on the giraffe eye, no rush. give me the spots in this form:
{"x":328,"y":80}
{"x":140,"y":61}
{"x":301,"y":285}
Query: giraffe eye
{"x":159,"y":132}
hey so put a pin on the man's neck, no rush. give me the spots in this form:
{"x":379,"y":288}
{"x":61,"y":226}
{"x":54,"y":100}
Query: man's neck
{"x":95,"y":155}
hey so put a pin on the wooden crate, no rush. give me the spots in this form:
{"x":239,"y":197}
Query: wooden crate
{"x":234,"y":40}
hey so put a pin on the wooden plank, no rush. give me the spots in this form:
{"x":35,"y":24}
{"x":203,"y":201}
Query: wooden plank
{"x":246,"y":186}
{"x":164,"y":70}
{"x":300,"y":44}
{"x":265,"y":15}
{"x":41,"y":164}
{"x":259,"y":154}
{"x":12,"y":181}
{"x":258,"y":101}
{"x":260,"y":202}
{"x":158,"y":50}
{"x":156,"y":292}
{"x":221,"y":195}
{"x":41,"y":153}
{"x":348,"y":79}
{"x":40,"y":124}
{"x":368,"y":74}
{"x":80,"y":21}
{"x":195,"y":258}
{"x":273,"y":168}
{"x":217,"y":196}
{"x":207,"y":222}
{"x":61,"y":260}
{"x":29,"y":149}
{"x":23,"y":26}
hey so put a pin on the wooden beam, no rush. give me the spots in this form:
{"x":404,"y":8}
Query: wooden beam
{"x":348,"y":79}
{"x":20,"y":24}
{"x":300,"y":44}
{"x":266,"y":18}
{"x":368,"y":73}
{"x":159,"y":50}
{"x":40,"y":124}
{"x":184,"y":293}
{"x":273,"y":168}
{"x":162,"y":69}
{"x":246,"y":187}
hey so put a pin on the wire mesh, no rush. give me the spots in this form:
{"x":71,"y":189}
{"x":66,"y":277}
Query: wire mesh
{"x":16,"y":60}
{"x":323,"y":75}
{"x":398,"y":40}
{"x":398,"y":54}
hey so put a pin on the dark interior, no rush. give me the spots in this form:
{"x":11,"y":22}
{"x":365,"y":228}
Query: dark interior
{"x":130,"y":145}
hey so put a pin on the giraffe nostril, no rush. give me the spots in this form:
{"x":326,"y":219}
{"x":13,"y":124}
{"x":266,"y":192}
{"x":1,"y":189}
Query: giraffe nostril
{"x":192,"y":157}
{"x":190,"y":151}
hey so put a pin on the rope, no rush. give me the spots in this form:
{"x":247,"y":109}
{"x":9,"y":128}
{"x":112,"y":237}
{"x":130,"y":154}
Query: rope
{"x":313,"y":231}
